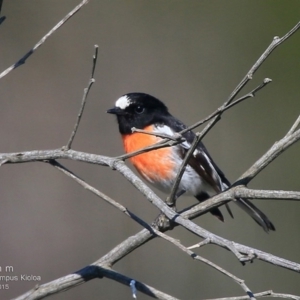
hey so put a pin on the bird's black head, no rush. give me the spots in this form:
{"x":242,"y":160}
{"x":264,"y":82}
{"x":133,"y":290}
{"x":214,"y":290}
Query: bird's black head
{"x":138,"y":110}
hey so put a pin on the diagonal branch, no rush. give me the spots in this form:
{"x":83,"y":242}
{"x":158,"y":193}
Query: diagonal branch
{"x":83,"y":102}
{"x":171,"y":198}
{"x":88,"y":273}
{"x":278,"y":148}
{"x":262,"y":295}
{"x":22,"y":60}
{"x":101,"y":195}
{"x":226,"y":106}
{"x":209,"y":263}
{"x":275,"y":43}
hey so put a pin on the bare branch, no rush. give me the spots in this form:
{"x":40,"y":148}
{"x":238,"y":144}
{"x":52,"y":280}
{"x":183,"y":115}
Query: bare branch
{"x":86,"y":274}
{"x":171,"y":198}
{"x":209,"y":263}
{"x":237,"y":192}
{"x":243,"y":192}
{"x":199,"y":245}
{"x":250,"y":94}
{"x":83,"y":102}
{"x":268,"y":157}
{"x":225,"y":107}
{"x":294,"y":127}
{"x":22,"y":60}
{"x":261,"y":295}
{"x":275,"y":43}
{"x":103,"y":196}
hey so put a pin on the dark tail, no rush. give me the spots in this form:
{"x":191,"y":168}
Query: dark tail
{"x":259,"y":217}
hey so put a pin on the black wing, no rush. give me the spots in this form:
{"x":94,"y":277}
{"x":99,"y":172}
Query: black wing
{"x":203,"y":164}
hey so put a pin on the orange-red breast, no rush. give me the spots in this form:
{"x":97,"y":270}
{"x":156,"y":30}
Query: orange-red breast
{"x":202,"y":177}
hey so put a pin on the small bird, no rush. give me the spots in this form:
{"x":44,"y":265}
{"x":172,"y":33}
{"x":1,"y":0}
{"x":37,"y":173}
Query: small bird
{"x":202,"y":177}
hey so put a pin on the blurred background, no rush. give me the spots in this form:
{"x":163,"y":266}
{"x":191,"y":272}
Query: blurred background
{"x":190,"y":54}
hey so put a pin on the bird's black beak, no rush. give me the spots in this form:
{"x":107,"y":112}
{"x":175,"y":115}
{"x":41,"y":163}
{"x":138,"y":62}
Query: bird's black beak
{"x":115,"y":111}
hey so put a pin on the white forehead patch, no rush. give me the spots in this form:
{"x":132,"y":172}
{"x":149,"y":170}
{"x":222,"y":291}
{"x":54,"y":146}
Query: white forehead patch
{"x":123,"y":102}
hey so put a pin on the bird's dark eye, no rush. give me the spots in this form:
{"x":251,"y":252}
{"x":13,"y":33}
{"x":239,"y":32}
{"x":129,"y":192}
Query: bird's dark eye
{"x":139,"y":109}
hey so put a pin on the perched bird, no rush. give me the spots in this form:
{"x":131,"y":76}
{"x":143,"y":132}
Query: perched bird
{"x":202,"y":177}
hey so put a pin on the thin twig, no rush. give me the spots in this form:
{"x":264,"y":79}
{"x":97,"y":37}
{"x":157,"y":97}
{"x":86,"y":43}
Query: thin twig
{"x":265,"y":194}
{"x":171,"y":198}
{"x":294,"y":127}
{"x":251,"y":94}
{"x":268,"y":157}
{"x":285,"y":296}
{"x":237,"y":192}
{"x":224,"y":107}
{"x":95,"y":57}
{"x":207,"y":262}
{"x":83,"y":102}
{"x":275,"y":42}
{"x":261,"y":295}
{"x":88,"y":273}
{"x":98,"y":193}
{"x":22,"y":60}
{"x":201,"y":244}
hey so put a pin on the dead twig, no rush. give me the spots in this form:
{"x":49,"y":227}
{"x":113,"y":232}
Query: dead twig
{"x":22,"y":60}
{"x":83,"y":102}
